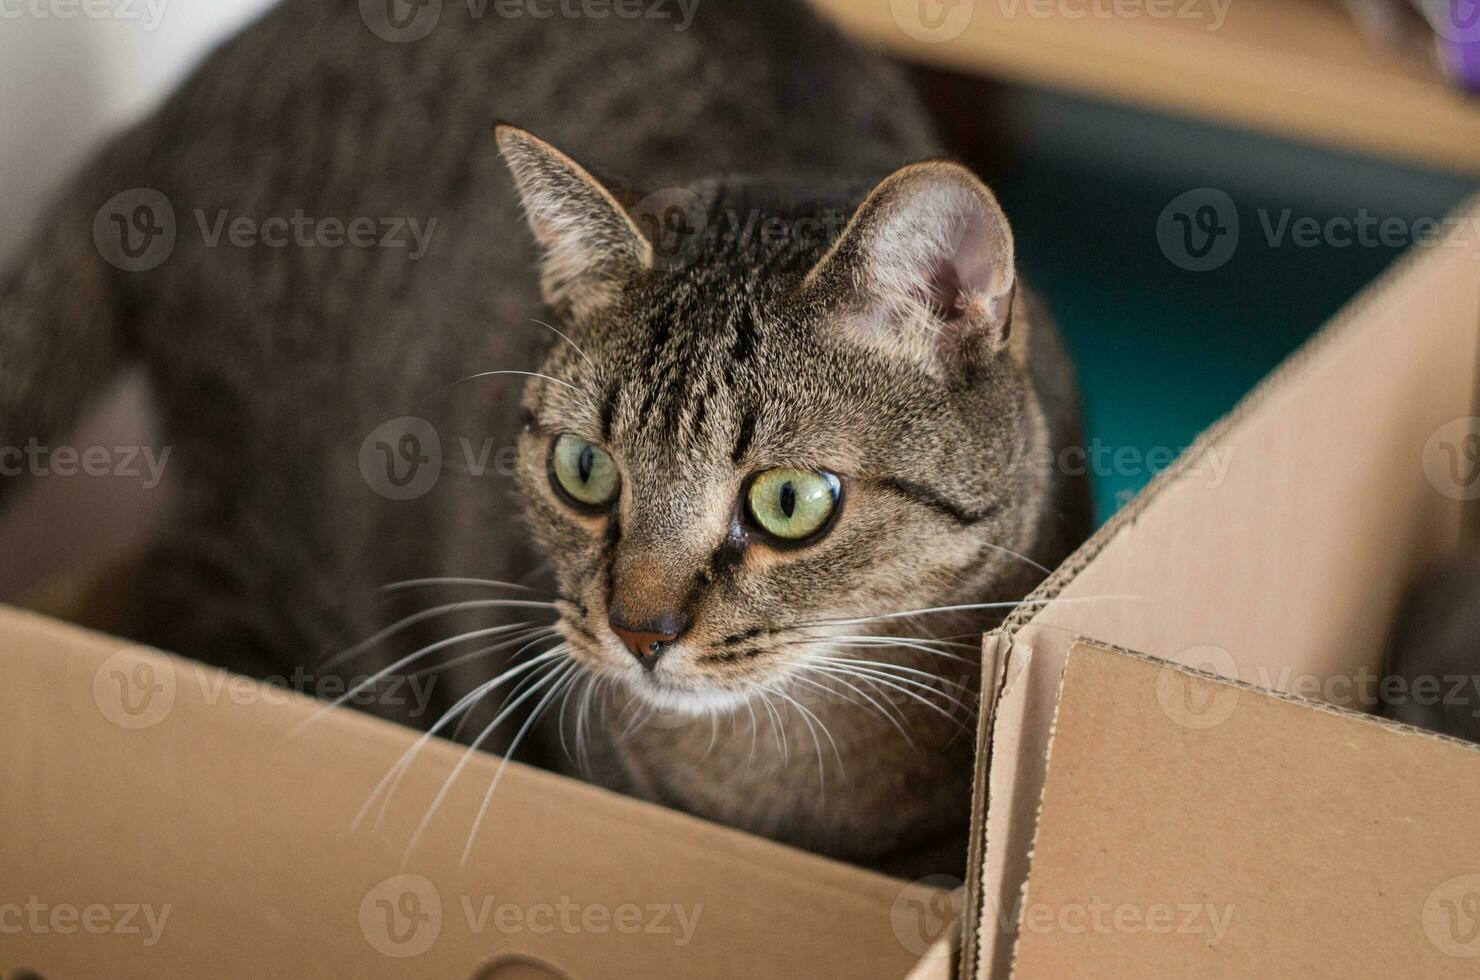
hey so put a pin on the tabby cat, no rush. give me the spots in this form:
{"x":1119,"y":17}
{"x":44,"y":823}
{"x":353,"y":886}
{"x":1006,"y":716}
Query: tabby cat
{"x":769,"y":401}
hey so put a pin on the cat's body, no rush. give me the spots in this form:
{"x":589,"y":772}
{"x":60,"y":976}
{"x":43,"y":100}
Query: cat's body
{"x":274,"y":366}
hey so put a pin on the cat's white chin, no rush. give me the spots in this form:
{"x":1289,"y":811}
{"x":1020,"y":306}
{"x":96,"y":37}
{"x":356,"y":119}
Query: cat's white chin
{"x":685,"y":701}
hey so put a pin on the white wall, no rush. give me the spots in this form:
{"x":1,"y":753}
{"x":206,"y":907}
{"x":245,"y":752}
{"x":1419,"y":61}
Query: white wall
{"x":71,"y":72}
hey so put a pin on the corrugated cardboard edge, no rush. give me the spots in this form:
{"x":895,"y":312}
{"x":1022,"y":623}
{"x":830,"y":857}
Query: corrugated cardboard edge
{"x":995,"y":648}
{"x":1080,"y":645}
{"x":1000,"y":642}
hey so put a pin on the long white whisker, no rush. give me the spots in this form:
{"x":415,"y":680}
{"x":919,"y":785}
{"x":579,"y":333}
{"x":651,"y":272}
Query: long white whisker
{"x":965,"y":607}
{"x":426,"y":614}
{"x":889,"y":670}
{"x":884,"y":681}
{"x":416,"y":583}
{"x":860,"y":692}
{"x":527,"y":374}
{"x":533,"y":635}
{"x":472,"y":750}
{"x":564,"y":680}
{"x":572,"y":343}
{"x":403,"y":764}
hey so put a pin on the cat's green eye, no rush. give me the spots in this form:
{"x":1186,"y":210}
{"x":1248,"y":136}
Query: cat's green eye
{"x":792,"y":505}
{"x":584,"y":472}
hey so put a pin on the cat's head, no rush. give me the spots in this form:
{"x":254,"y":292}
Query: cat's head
{"x":742,"y":449}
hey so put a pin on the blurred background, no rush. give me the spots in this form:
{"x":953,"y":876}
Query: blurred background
{"x":1157,"y":167}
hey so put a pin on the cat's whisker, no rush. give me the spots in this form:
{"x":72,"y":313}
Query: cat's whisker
{"x":504,"y":713}
{"x":750,"y":708}
{"x":963,"y":607}
{"x":1021,"y":557}
{"x":391,"y":779}
{"x":898,"y":672}
{"x":808,"y":713}
{"x":532,"y":635}
{"x":777,"y":729}
{"x":576,"y":347}
{"x":565,"y":679}
{"x":884,"y":681}
{"x":527,"y":374}
{"x":424,"y":615}
{"x":888,"y":642}
{"x":416,"y":583}
{"x":375,"y":678}
{"x":857,"y":690}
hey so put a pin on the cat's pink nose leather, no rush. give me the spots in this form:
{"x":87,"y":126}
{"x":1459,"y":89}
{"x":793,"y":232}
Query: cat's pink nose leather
{"x":646,"y":645}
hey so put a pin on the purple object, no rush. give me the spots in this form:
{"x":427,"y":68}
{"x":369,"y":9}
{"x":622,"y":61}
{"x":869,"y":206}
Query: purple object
{"x":1456,"y":25}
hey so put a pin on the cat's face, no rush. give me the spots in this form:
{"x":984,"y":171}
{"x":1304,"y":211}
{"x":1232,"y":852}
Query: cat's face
{"x":733,"y":460}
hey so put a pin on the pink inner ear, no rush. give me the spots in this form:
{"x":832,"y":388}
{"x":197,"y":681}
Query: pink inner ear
{"x":972,"y":273}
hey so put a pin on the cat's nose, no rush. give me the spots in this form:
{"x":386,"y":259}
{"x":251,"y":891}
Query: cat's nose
{"x":648,"y":641}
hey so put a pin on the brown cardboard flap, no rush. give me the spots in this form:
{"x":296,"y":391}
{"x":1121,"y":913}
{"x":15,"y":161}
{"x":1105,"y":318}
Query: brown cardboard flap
{"x":1193,"y":827}
{"x":1276,"y":548}
{"x":136,"y":781}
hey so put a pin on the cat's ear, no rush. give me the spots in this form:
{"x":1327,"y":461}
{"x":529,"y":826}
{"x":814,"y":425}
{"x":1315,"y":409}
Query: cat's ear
{"x":925,"y":269}
{"x":589,"y":243}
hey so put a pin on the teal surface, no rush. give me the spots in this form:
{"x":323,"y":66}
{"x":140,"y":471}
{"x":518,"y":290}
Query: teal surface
{"x":1162,"y":352}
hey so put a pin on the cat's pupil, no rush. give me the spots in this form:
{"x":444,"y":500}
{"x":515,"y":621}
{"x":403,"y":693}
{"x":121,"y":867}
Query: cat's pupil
{"x":584,"y":463}
{"x":788,"y":498}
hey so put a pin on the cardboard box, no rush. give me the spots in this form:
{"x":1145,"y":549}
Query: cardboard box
{"x":1338,"y":843}
{"x":163,"y":819}
{"x":1133,"y":817}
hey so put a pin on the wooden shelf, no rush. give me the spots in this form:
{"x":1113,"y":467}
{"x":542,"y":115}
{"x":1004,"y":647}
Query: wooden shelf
{"x":1296,"y":68}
